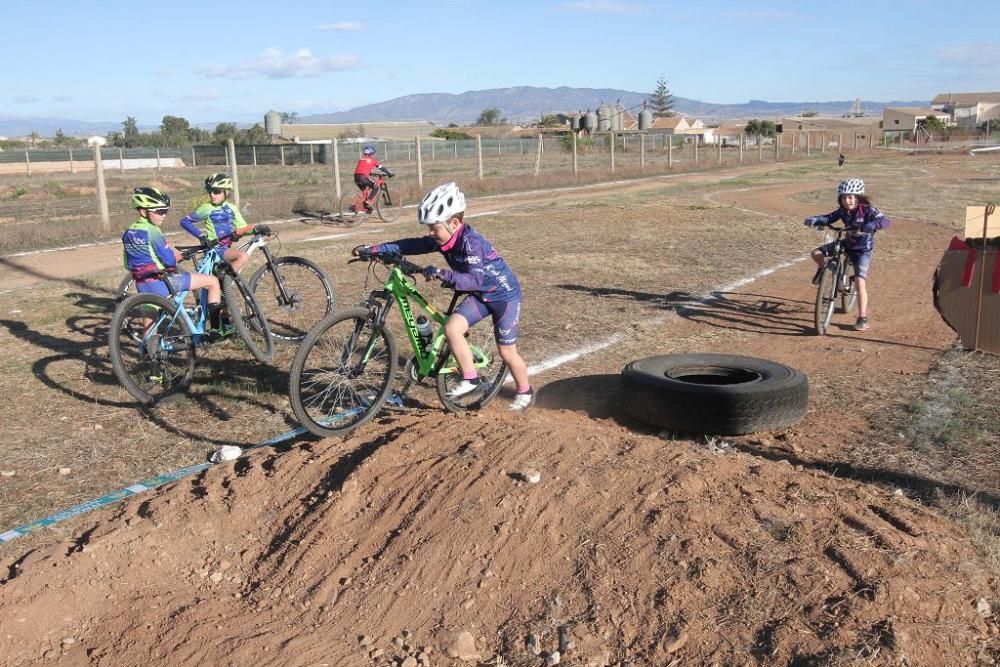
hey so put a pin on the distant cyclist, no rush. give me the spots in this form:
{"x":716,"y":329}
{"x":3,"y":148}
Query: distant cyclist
{"x":477,"y":268}
{"x":221,"y":218}
{"x":363,"y":178}
{"x":862,"y":220}
{"x":151,"y":260}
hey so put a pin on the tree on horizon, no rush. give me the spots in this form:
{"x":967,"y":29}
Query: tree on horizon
{"x":662,"y":101}
{"x":490,"y":117}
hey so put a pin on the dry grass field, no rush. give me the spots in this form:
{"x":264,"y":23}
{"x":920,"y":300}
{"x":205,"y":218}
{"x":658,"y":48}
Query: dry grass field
{"x":866,"y":534}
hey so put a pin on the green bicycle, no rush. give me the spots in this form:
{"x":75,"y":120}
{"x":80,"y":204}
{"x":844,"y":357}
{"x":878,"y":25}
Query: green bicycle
{"x":345,"y":369}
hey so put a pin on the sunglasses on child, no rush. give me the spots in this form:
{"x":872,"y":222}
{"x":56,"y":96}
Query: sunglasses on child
{"x":159,"y":211}
{"x":216,"y":191}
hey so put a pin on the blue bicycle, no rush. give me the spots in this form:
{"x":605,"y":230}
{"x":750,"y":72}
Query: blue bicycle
{"x":153,"y":340}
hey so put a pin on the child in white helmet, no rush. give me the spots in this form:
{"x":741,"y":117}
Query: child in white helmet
{"x":862,"y":220}
{"x":475,"y":267}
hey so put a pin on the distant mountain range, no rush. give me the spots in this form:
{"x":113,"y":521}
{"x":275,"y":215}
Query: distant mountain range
{"x":526,"y":103}
{"x":518,"y":104}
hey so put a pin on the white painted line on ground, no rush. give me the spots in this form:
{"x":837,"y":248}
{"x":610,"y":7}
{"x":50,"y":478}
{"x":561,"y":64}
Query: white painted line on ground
{"x":713,"y":295}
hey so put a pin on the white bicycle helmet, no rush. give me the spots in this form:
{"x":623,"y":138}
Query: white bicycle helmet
{"x":852,"y":186}
{"x":441,"y":204}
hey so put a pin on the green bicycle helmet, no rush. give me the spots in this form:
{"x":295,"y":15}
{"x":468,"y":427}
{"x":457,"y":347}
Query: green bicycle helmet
{"x":218,"y":182}
{"x":150,"y":198}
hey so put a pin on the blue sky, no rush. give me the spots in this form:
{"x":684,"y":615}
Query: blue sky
{"x":100,"y":61}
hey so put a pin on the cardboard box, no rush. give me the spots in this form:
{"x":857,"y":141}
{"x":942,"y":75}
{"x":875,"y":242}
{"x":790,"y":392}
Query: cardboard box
{"x":968,"y":300}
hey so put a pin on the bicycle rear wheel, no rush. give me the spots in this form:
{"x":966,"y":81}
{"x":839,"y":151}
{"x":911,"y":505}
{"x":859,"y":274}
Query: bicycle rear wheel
{"x":848,"y":289}
{"x":388,"y":204}
{"x":248,"y":318}
{"x":307,"y":298}
{"x":152,"y":349}
{"x":491,"y":367}
{"x":342,"y":373}
{"x":352,"y":211}
{"x":826,"y":298}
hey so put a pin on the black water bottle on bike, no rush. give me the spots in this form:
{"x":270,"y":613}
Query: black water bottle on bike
{"x":425,"y":330}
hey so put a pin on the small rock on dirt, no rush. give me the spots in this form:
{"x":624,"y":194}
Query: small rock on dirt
{"x":7,"y":473}
{"x":65,"y":471}
{"x":531,"y":476}
{"x":983,"y":607}
{"x":533,"y":646}
{"x":553,"y":658}
{"x":365,"y":640}
{"x":674,"y":644}
{"x":408,"y":661}
{"x":463,"y":647}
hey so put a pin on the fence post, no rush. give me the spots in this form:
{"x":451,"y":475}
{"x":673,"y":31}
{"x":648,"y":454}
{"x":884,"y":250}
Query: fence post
{"x":433,"y":151}
{"x":611,"y":141}
{"x":409,"y":153}
{"x":102,"y":193}
{"x":479,"y":154}
{"x":27,"y":161}
{"x":840,"y":142}
{"x":456,"y":149}
{"x":696,"y":148}
{"x":234,"y":171}
{"x":760,"y":147}
{"x":777,"y":146}
{"x":808,"y":144}
{"x":855,"y":141}
{"x":281,"y":151}
{"x":521,"y":143}
{"x":871,"y":140}
{"x":194,"y":160}
{"x":742,"y":137}
{"x":312,"y":158}
{"x":499,"y":145}
{"x":670,"y":151}
{"x":336,"y":169}
{"x":575,"y":170}
{"x":538,"y":156}
{"x":72,"y":167}
{"x":121,"y":162}
{"x":254,"y":149}
{"x":158,"y":159}
{"x":642,"y":152}
{"x":420,"y":164}
{"x":718,"y":143}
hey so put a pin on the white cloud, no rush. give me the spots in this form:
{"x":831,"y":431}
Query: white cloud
{"x":762,"y":15}
{"x":971,"y":54}
{"x":24,"y":99}
{"x":602,"y":7}
{"x":274,"y":64}
{"x":343,"y":26}
{"x":203,"y":95}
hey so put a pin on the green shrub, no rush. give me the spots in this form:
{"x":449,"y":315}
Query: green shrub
{"x":450,"y":135}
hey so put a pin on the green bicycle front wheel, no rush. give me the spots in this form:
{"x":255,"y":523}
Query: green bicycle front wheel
{"x":152,"y":349}
{"x":342,"y":373}
{"x":491,"y":367}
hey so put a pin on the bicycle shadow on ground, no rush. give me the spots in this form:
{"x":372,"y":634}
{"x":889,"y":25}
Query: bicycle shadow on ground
{"x":748,"y":312}
{"x":98,"y":385}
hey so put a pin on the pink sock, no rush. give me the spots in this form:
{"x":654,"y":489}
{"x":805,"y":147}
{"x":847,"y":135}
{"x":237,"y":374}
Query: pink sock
{"x":524,"y":390}
{"x":470,"y":376}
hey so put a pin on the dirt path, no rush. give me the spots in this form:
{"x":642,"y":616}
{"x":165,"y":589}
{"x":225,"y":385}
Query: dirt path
{"x":418,"y":535}
{"x":58,"y":265}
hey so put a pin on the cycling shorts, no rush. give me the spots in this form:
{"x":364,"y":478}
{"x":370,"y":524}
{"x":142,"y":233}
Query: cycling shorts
{"x":860,"y":259}
{"x":363,"y":181}
{"x":506,"y":316}
{"x":181,"y":282}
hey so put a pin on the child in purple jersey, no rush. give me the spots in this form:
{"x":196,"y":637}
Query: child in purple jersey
{"x":475,"y":267}
{"x":862,"y":220}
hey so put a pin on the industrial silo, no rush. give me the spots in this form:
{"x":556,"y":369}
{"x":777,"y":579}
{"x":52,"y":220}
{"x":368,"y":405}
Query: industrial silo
{"x":590,"y":121}
{"x":574,"y":122}
{"x":272,"y":123}
{"x":603,"y":118}
{"x":645,"y":119}
{"x":618,"y":116}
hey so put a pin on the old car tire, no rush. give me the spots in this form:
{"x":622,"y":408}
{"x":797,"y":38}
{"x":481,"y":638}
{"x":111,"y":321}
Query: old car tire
{"x":715,"y":394}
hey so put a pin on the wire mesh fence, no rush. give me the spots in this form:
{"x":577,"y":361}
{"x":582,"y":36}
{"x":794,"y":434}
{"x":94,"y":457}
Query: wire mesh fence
{"x":60,"y":206}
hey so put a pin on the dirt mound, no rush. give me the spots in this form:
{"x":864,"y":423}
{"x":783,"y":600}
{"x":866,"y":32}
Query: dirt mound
{"x":421,"y":534}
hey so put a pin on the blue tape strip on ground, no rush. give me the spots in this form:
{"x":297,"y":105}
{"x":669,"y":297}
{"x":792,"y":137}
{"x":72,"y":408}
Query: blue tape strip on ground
{"x":129,"y":491}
